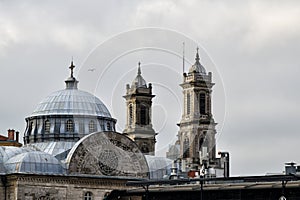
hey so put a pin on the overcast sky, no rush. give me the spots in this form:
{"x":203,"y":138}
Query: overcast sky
{"x":252,"y":48}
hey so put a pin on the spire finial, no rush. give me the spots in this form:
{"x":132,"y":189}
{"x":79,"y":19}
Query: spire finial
{"x":72,"y":67}
{"x":139,"y":68}
{"x":197,"y":55}
{"x":183,"y":45}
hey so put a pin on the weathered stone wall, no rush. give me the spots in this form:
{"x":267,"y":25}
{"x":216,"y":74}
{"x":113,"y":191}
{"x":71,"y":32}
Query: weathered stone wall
{"x":36,"y":187}
{"x":2,"y":188}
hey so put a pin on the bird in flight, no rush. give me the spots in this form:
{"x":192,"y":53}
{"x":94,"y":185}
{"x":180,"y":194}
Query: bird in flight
{"x":91,"y":69}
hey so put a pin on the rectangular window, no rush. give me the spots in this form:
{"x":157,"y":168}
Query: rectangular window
{"x":188,"y":103}
{"x":202,"y":103}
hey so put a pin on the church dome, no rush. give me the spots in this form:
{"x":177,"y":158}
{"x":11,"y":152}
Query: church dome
{"x":64,"y":117}
{"x":197,"y":67}
{"x":71,"y":102}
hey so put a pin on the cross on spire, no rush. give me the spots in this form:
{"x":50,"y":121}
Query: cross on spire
{"x":72,"y":68}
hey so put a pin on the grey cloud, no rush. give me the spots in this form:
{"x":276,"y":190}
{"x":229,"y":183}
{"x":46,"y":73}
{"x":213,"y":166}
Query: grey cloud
{"x":254,"y":44}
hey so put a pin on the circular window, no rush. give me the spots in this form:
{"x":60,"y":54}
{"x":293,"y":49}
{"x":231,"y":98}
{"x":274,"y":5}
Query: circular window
{"x":108,"y":162}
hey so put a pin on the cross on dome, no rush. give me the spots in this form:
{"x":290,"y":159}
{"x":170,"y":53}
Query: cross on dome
{"x":72,"y":66}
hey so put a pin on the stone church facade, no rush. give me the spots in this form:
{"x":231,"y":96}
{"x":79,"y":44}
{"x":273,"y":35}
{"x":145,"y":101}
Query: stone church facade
{"x":72,"y":150}
{"x":57,"y":187}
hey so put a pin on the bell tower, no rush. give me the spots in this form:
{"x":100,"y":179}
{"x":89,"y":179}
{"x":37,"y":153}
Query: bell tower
{"x":197,"y":126}
{"x":139,"y":106}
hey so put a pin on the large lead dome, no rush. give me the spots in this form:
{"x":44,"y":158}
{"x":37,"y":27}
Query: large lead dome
{"x":66,"y":116}
{"x":71,"y":102}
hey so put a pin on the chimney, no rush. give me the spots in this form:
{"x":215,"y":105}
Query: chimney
{"x":17,"y":136}
{"x":11,"y":134}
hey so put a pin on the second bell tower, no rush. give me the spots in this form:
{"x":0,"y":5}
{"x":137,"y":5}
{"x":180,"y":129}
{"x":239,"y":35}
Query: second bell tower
{"x":197,"y":126}
{"x":138,"y":121}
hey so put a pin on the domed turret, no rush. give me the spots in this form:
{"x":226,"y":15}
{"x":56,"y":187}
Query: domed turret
{"x":139,"y":81}
{"x":197,"y":67}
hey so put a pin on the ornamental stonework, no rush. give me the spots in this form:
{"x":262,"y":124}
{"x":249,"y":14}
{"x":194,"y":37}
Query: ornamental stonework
{"x":108,"y":154}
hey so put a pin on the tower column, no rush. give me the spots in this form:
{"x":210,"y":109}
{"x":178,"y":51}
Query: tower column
{"x":139,"y":111}
{"x":197,"y":123}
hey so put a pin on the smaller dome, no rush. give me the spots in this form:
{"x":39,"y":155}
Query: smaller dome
{"x":139,"y":81}
{"x":36,"y":162}
{"x":197,"y":67}
{"x":8,"y":152}
{"x":158,"y":166}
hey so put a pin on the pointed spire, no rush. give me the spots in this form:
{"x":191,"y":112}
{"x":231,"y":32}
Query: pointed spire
{"x":139,"y":68}
{"x":197,"y":56}
{"x":139,"y":80}
{"x":197,"y":67}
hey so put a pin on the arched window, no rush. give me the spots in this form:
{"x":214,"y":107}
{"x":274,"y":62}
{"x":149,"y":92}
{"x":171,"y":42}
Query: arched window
{"x":108,"y":126}
{"x":47,"y":126}
{"x":144,"y":148}
{"x":201,"y":143}
{"x":102,"y":126}
{"x":92,"y":126}
{"x":88,"y":196}
{"x":143,"y":115}
{"x":188,"y":103}
{"x":70,"y":126}
{"x":130,"y":114}
{"x":202,"y":104}
{"x":186,"y":148}
{"x":81,"y":126}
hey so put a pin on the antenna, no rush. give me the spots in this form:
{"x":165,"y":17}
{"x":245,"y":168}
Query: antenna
{"x":183,"y":58}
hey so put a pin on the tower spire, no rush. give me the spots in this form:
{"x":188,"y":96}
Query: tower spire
{"x":139,"y":68}
{"x":197,"y":56}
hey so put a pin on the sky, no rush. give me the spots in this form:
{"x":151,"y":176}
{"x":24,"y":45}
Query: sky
{"x":251,"y":47}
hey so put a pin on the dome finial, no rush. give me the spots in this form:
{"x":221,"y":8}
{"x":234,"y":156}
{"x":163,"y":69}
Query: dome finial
{"x":139,"y":68}
{"x":197,"y":56}
{"x":71,"y":82}
{"x":72,"y":66}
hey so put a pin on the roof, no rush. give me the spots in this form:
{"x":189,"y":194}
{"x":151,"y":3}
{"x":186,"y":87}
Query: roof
{"x":28,"y":160}
{"x":71,"y":102}
{"x":156,"y":163}
{"x":158,"y":166}
{"x":53,"y":147}
{"x":197,"y":67}
{"x":34,"y":162}
{"x":139,"y":81}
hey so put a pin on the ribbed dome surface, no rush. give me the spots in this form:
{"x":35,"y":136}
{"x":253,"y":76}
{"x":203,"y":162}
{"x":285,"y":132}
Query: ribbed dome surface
{"x":198,"y":68}
{"x":139,"y":82}
{"x":71,"y":102}
{"x":34,"y":162}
